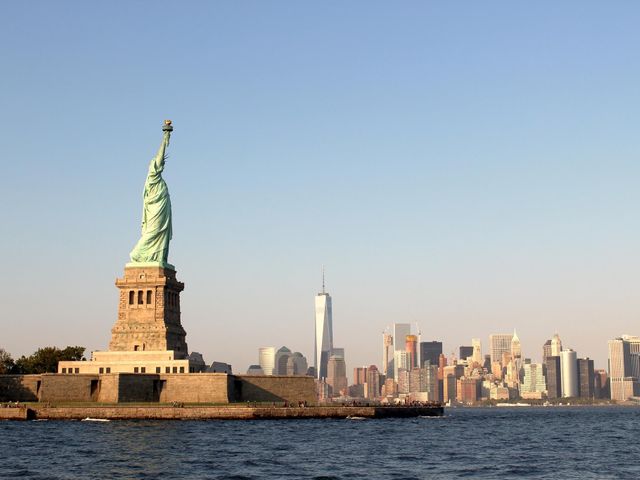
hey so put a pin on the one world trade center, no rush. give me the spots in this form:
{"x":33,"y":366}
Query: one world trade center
{"x":324,"y":332}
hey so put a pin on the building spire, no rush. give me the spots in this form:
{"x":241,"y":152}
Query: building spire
{"x":323,"y":279}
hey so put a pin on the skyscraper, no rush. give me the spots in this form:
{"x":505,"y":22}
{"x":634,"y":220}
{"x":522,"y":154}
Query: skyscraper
{"x":281,"y":359}
{"x":372,"y":386}
{"x":424,"y":380}
{"x":387,"y":355}
{"x":487,"y":363}
{"x":404,"y":381}
{"x":451,"y":374}
{"x":634,"y":352}
{"x":534,"y":384}
{"x":622,"y":367}
{"x":477,"y":351}
{"x":324,"y":332}
{"x":512,"y":374}
{"x":601,"y":384}
{"x":430,"y":351}
{"x":336,"y":374}
{"x":411,"y":346}
{"x":516,"y":350}
{"x":465,"y":352}
{"x":360,"y":375}
{"x":339,"y":351}
{"x":297,"y":364}
{"x":516,"y":360}
{"x":400,"y":332}
{"x":401,"y":361}
{"x":554,"y":384}
{"x":267,"y":359}
{"x":499,"y":343}
{"x":586,"y":378}
{"x":569,"y":367}
{"x":546,"y":352}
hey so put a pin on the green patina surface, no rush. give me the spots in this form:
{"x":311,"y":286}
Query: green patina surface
{"x":153,"y":247}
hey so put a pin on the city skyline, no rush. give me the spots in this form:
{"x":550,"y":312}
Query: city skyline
{"x":324,"y":314}
{"x":498,"y":343}
{"x":473,"y":170}
{"x":420,"y":372}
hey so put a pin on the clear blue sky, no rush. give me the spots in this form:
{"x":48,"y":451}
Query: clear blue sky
{"x":470,"y":166}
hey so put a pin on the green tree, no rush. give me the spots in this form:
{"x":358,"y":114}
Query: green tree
{"x":7,"y":365}
{"x":73,"y":353}
{"x":45,"y":360}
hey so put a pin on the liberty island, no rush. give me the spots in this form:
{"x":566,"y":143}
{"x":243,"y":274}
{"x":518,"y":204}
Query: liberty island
{"x":148,"y":361}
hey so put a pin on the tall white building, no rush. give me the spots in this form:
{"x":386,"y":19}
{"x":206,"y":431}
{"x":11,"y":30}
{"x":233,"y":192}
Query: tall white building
{"x":499,"y":343}
{"x":324,"y":332}
{"x":569,"y":375}
{"x":477,"y":351}
{"x":516,"y":347}
{"x":267,"y":359}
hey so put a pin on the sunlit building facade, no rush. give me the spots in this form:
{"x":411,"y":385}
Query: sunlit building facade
{"x":499,"y":343}
{"x":476,"y":344}
{"x":267,"y":359}
{"x":533,"y":385}
{"x":569,"y":375}
{"x":622,"y":367}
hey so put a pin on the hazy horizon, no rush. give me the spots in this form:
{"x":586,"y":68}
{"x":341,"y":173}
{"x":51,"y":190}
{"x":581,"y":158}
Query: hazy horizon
{"x":471,"y":169}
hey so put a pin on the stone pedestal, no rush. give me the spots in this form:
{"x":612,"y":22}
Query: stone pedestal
{"x":149,"y":311}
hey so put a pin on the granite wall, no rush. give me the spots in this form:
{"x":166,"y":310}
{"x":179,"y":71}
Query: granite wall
{"x":259,"y":388}
{"x":217,"y":388}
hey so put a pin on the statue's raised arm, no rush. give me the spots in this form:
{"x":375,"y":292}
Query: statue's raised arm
{"x":157,"y":163}
{"x":153,"y":246}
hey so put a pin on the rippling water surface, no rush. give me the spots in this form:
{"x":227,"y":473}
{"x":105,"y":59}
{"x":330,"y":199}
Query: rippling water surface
{"x":553,"y":443}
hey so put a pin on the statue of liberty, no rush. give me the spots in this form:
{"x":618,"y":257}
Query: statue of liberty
{"x":153,"y":246}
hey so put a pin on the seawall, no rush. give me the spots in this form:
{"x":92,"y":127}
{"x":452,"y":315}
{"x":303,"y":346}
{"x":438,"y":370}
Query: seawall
{"x":158,"y":412}
{"x":161,"y":388}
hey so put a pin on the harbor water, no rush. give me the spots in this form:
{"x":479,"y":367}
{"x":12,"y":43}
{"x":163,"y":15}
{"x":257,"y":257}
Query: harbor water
{"x":546,"y":443}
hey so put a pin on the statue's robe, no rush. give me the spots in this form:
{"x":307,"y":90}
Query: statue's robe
{"x":153,"y":245}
